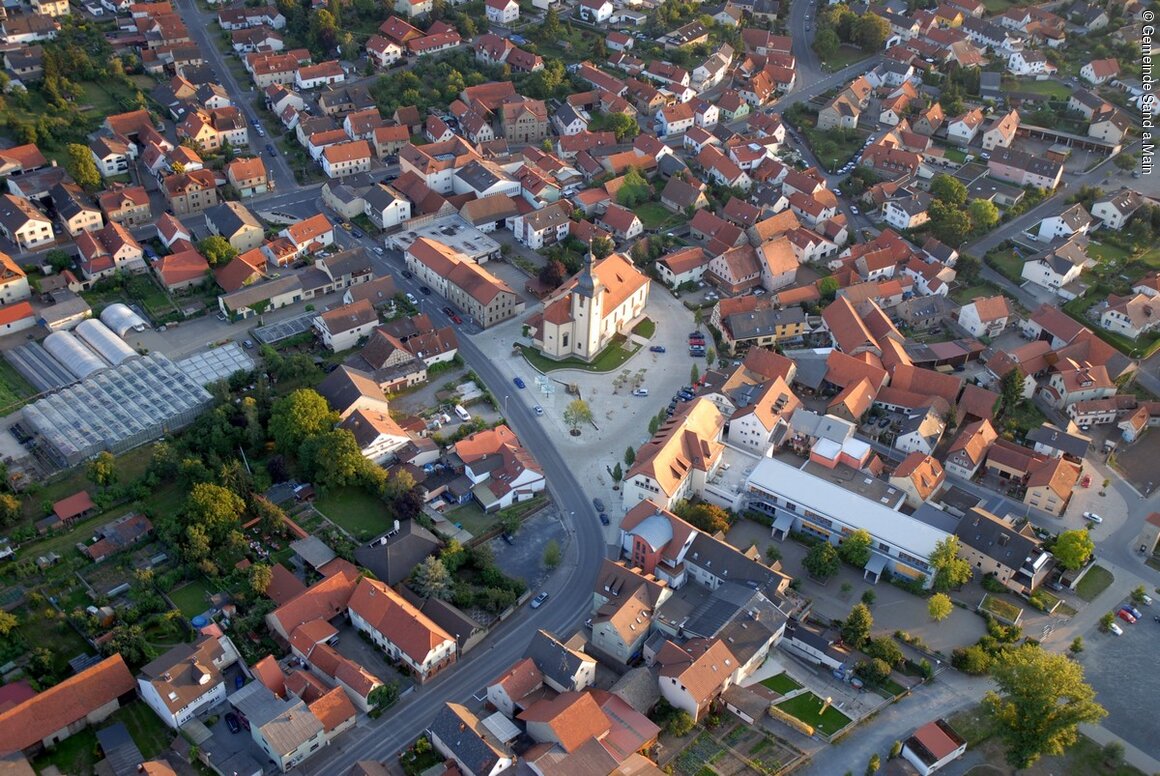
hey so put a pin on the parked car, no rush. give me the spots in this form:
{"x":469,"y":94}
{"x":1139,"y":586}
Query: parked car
{"x":456,"y":319}
{"x":377,"y":250}
{"x":346,"y":225}
{"x":1146,"y":600}
{"x":248,"y":344}
{"x":1132,"y":611}
{"x":270,"y":150}
{"x":697,"y":333}
{"x":538,"y":410}
{"x":1093,"y":517}
{"x":1116,"y":629}
{"x":538,"y":601}
{"x":519,"y":381}
{"x":603,"y":519}
{"x":1126,"y":616}
{"x":448,"y":311}
{"x":640,"y":392}
{"x":599,"y":504}
{"x":411,"y":298}
{"x":507,"y":537}
{"x":232,"y":722}
{"x":425,"y":290}
{"x":657,"y":349}
{"x":358,"y":233}
{"x":407,"y":273}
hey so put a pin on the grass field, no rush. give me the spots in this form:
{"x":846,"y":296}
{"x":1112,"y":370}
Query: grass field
{"x":1093,"y":583}
{"x":148,"y":731}
{"x":192,"y":598}
{"x":967,"y":293}
{"x":655,"y":215}
{"x":807,"y":707}
{"x":782,"y":683}
{"x":37,"y":630}
{"x":14,"y":389}
{"x":1105,"y":252}
{"x":845,"y":56}
{"x":1052,"y":89}
{"x":1000,"y":608}
{"x":130,"y":467}
{"x":362,"y":515}
{"x":76,"y":755}
{"x":645,"y":328}
{"x":612,"y":357}
{"x":1008,"y":263}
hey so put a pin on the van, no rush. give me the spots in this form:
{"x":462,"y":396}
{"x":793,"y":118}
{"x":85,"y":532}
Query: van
{"x":461,"y":413}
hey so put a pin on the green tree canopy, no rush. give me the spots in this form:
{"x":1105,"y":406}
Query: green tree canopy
{"x":577,"y":414}
{"x":947,"y":189}
{"x":709,"y":518}
{"x":102,"y":470}
{"x":857,"y":625}
{"x":822,"y":560}
{"x":629,"y":455}
{"x":215,"y":510}
{"x":217,"y":250}
{"x":1073,"y":548}
{"x":950,"y":571}
{"x":80,"y":165}
{"x":634,"y":190}
{"x":431,"y":580}
{"x":260,"y":577}
{"x":1042,"y":698}
{"x":939,"y":607}
{"x":871,"y":31}
{"x":298,"y":416}
{"x":855,"y":548}
{"x":984,"y":215}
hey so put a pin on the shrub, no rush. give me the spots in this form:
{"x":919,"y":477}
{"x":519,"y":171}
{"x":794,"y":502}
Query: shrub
{"x":971,"y":660}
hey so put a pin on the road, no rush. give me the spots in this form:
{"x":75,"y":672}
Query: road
{"x":202,"y":27}
{"x":570,"y":587}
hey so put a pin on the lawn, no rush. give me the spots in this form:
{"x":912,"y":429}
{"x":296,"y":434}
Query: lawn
{"x":781,"y":683}
{"x":955,"y":155}
{"x":655,"y":215}
{"x":1004,"y":610}
{"x":832,"y":146}
{"x":1093,"y":583}
{"x":807,"y":706}
{"x":845,"y":56}
{"x":148,"y":731}
{"x":973,"y":724}
{"x":76,"y":755}
{"x":1025,"y":416}
{"x":475,"y":521}
{"x":361,"y":514}
{"x":1105,"y":252}
{"x":965,"y":294}
{"x":192,"y":598}
{"x":645,"y":328}
{"x":611,"y":358}
{"x":996,"y":6}
{"x":14,"y":389}
{"x":1008,"y":263}
{"x":1053,"y":89}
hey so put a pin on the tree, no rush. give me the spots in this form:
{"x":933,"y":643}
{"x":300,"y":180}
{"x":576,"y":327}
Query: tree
{"x":855,"y":548}
{"x":949,"y":223}
{"x":334,"y":459}
{"x":870,"y":32}
{"x":973,"y":661}
{"x":217,"y":250}
{"x":679,"y":724}
{"x":709,"y":518}
{"x":1042,"y":698}
{"x":9,"y":509}
{"x":694,"y":374}
{"x":1076,"y":645}
{"x":635,"y":190}
{"x":430,"y":579}
{"x":885,"y":649}
{"x":59,"y":260}
{"x":102,"y":470}
{"x":552,"y":554}
{"x":873,"y":671}
{"x":874,"y":763}
{"x":80,"y":165}
{"x":260,"y":577}
{"x":710,"y":357}
{"x":215,"y":510}
{"x":625,"y":127}
{"x":826,"y":43}
{"x":8,"y":623}
{"x":950,"y":571}
{"x":947,"y":189}
{"x":1011,"y":388}
{"x":629,"y":456}
{"x":856,"y":627}
{"x":1139,"y":593}
{"x":984,"y":215}
{"x":550,"y":29}
{"x":1073,"y":548}
{"x":383,"y":697}
{"x":294,"y":418}
{"x":772,"y":554}
{"x":1106,"y":621}
{"x":128,"y":641}
{"x":828,"y":288}
{"x":822,"y":560}
{"x":553,"y":273}
{"x":939,"y":607}
{"x":617,"y":473}
{"x":869,"y":597}
{"x":577,"y":414}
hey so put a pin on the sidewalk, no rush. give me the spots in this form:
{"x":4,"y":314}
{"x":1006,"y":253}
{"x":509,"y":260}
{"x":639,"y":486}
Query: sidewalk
{"x":1133,"y":756}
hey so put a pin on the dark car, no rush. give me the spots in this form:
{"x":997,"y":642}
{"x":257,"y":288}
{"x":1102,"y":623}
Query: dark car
{"x":603,"y":519}
{"x":448,"y":311}
{"x":357,"y":233}
{"x":657,"y":349}
{"x":697,"y":334}
{"x":519,"y":381}
{"x":695,"y":352}
{"x":425,"y":290}
{"x":507,"y":537}
{"x":270,"y":149}
{"x":599,"y":504}
{"x":407,"y":273}
{"x":232,"y":722}
{"x":239,"y":681}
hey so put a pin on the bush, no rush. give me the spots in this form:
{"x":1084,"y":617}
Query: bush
{"x":972,"y":660}
{"x":884,"y":649}
{"x":993,"y":585}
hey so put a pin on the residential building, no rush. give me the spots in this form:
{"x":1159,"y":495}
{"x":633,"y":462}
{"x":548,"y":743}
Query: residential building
{"x":1057,"y":267}
{"x":248,"y":176}
{"x":1131,"y":315}
{"x":458,"y":735}
{"x":693,"y":676}
{"x":680,"y":458}
{"x":463,"y":282}
{"x":189,"y":193}
{"x":342,"y":159}
{"x":236,"y":224}
{"x":109,"y":250}
{"x":920,"y":476}
{"x":1015,"y":557}
{"x":1024,"y":169}
{"x":187,"y":679}
{"x":13,"y":281}
{"x":985,"y":316}
{"x":1116,"y":208}
{"x":402,"y":631}
{"x":343,"y":327}
{"x":23,"y":224}
{"x":500,"y":469}
{"x":285,"y":729}
{"x":1073,"y":221}
{"x":128,"y":205}
{"x":1050,"y":484}
{"x":933,"y":746}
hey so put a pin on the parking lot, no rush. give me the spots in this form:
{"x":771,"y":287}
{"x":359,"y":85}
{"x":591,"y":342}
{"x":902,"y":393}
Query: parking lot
{"x":1111,"y":663}
{"x":523,"y":558}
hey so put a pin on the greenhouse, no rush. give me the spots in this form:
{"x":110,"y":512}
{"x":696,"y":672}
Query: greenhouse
{"x":121,"y":319}
{"x":116,"y":409}
{"x":66,"y":348}
{"x":104,"y":342}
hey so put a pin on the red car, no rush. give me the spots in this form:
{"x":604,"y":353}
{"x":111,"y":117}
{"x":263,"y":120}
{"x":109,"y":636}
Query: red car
{"x":1086,"y":481}
{"x":456,"y":320}
{"x":1126,"y":616}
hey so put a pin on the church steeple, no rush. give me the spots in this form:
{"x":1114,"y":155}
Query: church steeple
{"x":587,"y":284}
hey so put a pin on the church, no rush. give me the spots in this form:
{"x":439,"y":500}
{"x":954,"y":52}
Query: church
{"x":582,"y":316}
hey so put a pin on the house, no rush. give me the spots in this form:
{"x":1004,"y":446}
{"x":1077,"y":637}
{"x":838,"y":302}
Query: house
{"x":109,"y":250}
{"x":23,"y":224}
{"x":920,"y":476}
{"x":1072,"y":381}
{"x":342,"y":327}
{"x":112,"y":155}
{"x":76,"y":213}
{"x":189,"y":193}
{"x":1099,"y":71}
{"x":1023,"y":169}
{"x":187,"y":678}
{"x":967,"y":453}
{"x":622,"y":222}
{"x":921,"y":429}
{"x":500,"y":469}
{"x":1131,"y":315}
{"x":1115,"y":209}
{"x":908,"y":211}
{"x":286,"y":729}
{"x":248,"y":176}
{"x":502,"y":11}
{"x":458,"y":735}
{"x":674,"y":119}
{"x":564,"y":669}
{"x":693,"y":676}
{"x":378,"y":435}
{"x":985,"y":316}
{"x":404,"y":633}
{"x":681,"y":195}
{"x":679,"y":459}
{"x":1057,"y":267}
{"x":128,"y":205}
{"x":181,"y":270}
{"x":839,"y":113}
{"x":1050,"y":483}
{"x":234,"y":222}
{"x":463,"y":282}
{"x":342,"y":159}
{"x":1027,"y":62}
{"x":1001,"y":131}
{"x":1015,"y":557}
{"x":1072,"y":221}
{"x":311,"y":234}
{"x":386,"y":207}
{"x":933,"y":746}
{"x":13,"y":281}
{"x":961,"y":130}
{"x":1110,"y":124}
{"x":595,"y":11}
{"x":50,"y":717}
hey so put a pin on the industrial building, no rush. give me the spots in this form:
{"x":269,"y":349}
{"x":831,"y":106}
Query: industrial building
{"x":114,"y":408}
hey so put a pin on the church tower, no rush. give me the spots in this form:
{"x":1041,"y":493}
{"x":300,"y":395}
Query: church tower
{"x":587,"y":309}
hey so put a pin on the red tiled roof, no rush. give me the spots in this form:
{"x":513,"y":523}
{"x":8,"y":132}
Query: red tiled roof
{"x":73,"y":506}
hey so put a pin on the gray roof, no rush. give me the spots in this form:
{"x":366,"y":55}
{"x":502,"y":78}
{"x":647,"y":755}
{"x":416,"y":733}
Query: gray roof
{"x":811,"y":367}
{"x":937,"y":518}
{"x":1036,"y":165}
{"x":69,"y":200}
{"x":821,"y":426}
{"x":261,"y":292}
{"x":555,"y":661}
{"x":656,"y":530}
{"x":738,"y":615}
{"x":380,"y":197}
{"x":121,"y":752}
{"x":457,"y":729}
{"x":230,"y":217}
{"x":480,"y":176}
{"x":341,"y":391}
{"x":727,"y":562}
{"x":995,"y":538}
{"x":638,"y":688}
{"x":1054,"y":437}
{"x":393,"y":560}
{"x":353,"y":261}
{"x":566,"y":114}
{"x":763,"y":323}
{"x":314,"y":551}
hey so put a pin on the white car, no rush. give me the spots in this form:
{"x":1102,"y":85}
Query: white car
{"x":640,"y":392}
{"x":853,"y":209}
{"x":1093,"y":517}
{"x":1146,"y":600}
{"x":411,"y":298}
{"x":1116,"y":629}
{"x":538,"y":601}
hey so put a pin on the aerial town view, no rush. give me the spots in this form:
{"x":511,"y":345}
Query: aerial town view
{"x":579,"y":388}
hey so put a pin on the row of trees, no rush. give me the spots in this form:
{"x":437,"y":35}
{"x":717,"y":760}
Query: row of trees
{"x":838,"y":24}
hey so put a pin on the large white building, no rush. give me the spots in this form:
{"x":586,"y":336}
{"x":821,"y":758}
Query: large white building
{"x":799,"y":501}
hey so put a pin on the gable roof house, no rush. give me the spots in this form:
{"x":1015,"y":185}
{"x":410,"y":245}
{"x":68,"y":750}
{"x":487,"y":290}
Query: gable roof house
{"x":500,"y":469}
{"x":401,"y":630}
{"x":694,"y":675}
{"x":563,"y":668}
{"x":460,"y":736}
{"x":680,"y":458}
{"x":967,"y":452}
